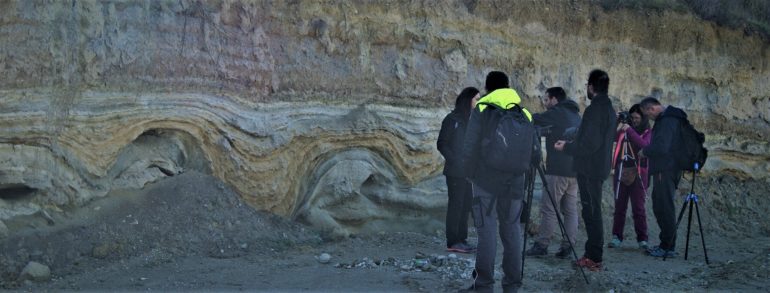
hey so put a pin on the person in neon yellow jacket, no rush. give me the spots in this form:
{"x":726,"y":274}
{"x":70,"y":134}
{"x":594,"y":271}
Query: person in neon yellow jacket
{"x":497,"y":197}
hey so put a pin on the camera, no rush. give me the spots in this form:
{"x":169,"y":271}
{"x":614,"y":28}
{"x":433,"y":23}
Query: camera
{"x":624,"y":117}
{"x":543,"y":130}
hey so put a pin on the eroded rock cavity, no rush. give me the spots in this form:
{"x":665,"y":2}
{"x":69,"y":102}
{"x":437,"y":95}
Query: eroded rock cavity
{"x":328,"y":112}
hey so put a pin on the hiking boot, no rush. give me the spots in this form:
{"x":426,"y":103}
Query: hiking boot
{"x":615,"y":242}
{"x":474,"y":288}
{"x":643,"y":245}
{"x":537,"y":250}
{"x":660,"y":252}
{"x":563,"y":252}
{"x":589,"y":264}
{"x":461,"y":248}
{"x":511,"y":289}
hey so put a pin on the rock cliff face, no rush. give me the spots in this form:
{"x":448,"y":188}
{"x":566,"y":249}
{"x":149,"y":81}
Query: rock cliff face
{"x":328,"y":111}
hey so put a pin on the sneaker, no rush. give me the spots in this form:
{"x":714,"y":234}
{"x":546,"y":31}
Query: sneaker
{"x":615,"y":242}
{"x":563,"y":252}
{"x":643,"y":245}
{"x":469,"y":246}
{"x":537,"y":250}
{"x":461,"y":248}
{"x":660,"y":252}
{"x":589,"y":264}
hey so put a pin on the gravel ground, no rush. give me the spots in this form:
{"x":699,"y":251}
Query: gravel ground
{"x":190,"y":232}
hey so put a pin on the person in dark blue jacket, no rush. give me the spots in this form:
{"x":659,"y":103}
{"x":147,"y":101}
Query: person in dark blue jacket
{"x":666,"y":141}
{"x":562,"y":114}
{"x":450,"y":144}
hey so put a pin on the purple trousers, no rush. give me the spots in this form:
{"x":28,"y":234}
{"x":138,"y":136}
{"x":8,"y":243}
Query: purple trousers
{"x":634,"y":193}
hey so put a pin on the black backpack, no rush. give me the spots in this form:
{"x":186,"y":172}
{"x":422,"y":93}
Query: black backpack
{"x":508,"y":145}
{"x":692,"y":150}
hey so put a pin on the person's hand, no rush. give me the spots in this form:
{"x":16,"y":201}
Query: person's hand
{"x":625,"y":126}
{"x":641,"y":154}
{"x":559,"y":145}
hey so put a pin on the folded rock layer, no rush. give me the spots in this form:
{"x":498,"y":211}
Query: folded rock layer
{"x":329,"y":111}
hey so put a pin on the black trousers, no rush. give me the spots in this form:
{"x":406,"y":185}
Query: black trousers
{"x":591,"y":202}
{"x":663,"y":194}
{"x":458,"y":209}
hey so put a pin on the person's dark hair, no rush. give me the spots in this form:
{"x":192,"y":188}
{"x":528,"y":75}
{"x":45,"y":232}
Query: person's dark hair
{"x":599,"y":80}
{"x":496,"y":80}
{"x":463,"y":101}
{"x":648,"y":101}
{"x":556,"y":92}
{"x":645,"y":124}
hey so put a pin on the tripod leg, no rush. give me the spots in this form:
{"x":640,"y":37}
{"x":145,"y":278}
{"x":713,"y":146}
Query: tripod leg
{"x":530,"y":185}
{"x":702,"y":239}
{"x":556,"y":209}
{"x":689,"y":224}
{"x":559,"y":220}
{"x":617,"y":186}
{"x":679,"y":220}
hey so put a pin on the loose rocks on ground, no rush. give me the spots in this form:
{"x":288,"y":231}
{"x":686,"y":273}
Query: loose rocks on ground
{"x":36,"y":272}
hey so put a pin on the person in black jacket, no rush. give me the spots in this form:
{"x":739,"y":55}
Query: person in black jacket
{"x":450,"y":144}
{"x":666,"y":141}
{"x":562,"y":113}
{"x":592,"y":155}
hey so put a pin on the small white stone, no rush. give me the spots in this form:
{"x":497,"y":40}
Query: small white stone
{"x":324,"y":258}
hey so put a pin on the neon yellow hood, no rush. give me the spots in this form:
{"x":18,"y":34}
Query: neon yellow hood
{"x":504,"y":98}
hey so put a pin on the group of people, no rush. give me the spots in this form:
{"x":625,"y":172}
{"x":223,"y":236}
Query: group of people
{"x":576,"y":165}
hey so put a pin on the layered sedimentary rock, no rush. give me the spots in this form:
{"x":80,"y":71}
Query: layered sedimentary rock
{"x":328,"y":111}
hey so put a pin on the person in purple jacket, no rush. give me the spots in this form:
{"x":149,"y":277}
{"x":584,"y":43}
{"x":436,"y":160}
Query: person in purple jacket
{"x":632,"y":174}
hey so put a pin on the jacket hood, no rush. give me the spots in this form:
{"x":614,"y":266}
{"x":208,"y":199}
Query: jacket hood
{"x":504,"y":98}
{"x":569,"y":104}
{"x":672,"y":111}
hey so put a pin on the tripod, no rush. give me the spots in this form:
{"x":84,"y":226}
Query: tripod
{"x":530,"y":187}
{"x":628,"y":153}
{"x":690,"y":201}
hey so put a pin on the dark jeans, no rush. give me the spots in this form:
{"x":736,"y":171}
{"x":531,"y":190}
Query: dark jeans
{"x":663,"y":194}
{"x":504,"y":213}
{"x":591,"y":201}
{"x":458,"y":209}
{"x":634,"y":193}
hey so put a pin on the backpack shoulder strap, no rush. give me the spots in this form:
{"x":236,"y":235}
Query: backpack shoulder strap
{"x":490,"y":119}
{"x":521,"y":109}
{"x":495,"y":106}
